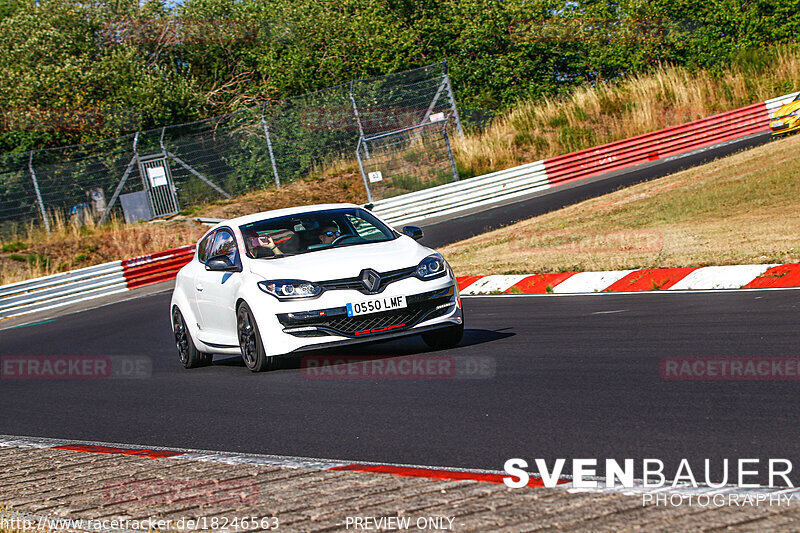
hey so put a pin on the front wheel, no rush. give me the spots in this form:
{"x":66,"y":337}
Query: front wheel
{"x":188,"y":353}
{"x":444,"y":338}
{"x":251,"y":343}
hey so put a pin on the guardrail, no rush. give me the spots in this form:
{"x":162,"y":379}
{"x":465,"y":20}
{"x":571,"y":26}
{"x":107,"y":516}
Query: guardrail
{"x":531,"y":178}
{"x":658,"y":145}
{"x":775,"y":103}
{"x":106,"y":279}
{"x":468,"y":194}
{"x":61,"y":289}
{"x":157,"y":267}
{"x":119,"y":276}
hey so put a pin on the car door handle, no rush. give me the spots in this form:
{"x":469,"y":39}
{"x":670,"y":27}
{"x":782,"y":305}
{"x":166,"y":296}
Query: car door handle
{"x":199,"y":287}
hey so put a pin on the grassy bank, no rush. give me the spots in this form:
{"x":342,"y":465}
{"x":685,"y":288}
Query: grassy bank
{"x":32,"y":252}
{"x":744,"y":209}
{"x":533,"y":130}
{"x":596,"y":115}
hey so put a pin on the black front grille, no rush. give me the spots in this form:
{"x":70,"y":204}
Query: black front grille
{"x":378,"y":322}
{"x":336,"y":322}
{"x":356,"y":285}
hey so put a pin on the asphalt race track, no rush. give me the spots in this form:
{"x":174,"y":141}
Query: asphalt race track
{"x":576,"y":377}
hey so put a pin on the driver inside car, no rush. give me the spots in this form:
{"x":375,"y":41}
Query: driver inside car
{"x":328,"y":233}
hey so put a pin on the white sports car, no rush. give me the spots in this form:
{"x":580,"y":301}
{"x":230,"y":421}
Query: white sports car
{"x":310,"y":277}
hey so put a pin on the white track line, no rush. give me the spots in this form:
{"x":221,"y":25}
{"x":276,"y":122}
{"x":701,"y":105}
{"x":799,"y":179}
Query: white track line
{"x":494,"y":283}
{"x":589,"y":282}
{"x":720,"y":277}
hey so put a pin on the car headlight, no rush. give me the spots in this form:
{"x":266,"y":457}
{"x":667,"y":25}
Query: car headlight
{"x":290,"y":289}
{"x":431,"y":267}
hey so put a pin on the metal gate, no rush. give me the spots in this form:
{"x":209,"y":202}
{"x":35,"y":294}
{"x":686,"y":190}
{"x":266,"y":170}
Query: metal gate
{"x":158,"y":183}
{"x":407,"y":160}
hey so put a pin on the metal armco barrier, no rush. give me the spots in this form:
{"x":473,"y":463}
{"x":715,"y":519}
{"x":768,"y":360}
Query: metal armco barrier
{"x":475,"y":193}
{"x":468,"y":194}
{"x":775,"y":103}
{"x":61,"y":289}
{"x":658,"y":145}
{"x":530,"y":178}
{"x":92,"y":282}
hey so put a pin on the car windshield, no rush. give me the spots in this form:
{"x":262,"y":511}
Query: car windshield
{"x":309,"y":232}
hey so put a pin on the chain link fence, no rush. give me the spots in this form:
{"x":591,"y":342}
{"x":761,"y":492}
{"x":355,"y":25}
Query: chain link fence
{"x":396,"y":125}
{"x":407,"y":160}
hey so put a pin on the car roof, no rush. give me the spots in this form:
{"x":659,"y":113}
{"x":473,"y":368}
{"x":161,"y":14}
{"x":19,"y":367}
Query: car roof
{"x":255,"y":217}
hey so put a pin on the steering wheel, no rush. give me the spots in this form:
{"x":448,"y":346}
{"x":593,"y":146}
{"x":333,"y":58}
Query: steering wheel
{"x":339,"y":238}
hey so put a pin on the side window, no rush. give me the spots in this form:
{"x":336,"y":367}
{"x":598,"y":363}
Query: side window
{"x":224,"y":244}
{"x":365,"y":230}
{"x":203,"y":247}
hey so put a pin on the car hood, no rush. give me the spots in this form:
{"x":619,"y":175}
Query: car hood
{"x":785,"y":110}
{"x":343,"y":262}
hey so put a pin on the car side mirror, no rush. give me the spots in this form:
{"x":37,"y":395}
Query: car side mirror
{"x":415,"y":232}
{"x":222,"y":263}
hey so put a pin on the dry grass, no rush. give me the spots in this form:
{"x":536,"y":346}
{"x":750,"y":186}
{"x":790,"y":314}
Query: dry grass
{"x":742,"y":209}
{"x":596,"y":115}
{"x":339,"y":184}
{"x":32,"y":252}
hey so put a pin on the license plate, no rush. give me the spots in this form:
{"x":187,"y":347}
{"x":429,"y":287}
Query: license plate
{"x":387,"y":303}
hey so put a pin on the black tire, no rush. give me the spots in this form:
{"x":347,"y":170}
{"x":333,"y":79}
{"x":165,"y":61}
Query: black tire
{"x":444,"y":338}
{"x":251,"y":343}
{"x":189,"y":355}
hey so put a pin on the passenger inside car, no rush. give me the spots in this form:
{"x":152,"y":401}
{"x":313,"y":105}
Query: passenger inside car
{"x":264,"y":244}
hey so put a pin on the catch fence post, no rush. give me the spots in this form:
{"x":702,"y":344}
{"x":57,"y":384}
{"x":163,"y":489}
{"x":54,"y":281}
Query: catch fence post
{"x":269,"y":146}
{"x":38,"y":193}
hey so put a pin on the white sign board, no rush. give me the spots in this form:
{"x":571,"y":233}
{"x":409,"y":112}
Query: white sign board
{"x":157,"y":176}
{"x":375,"y":176}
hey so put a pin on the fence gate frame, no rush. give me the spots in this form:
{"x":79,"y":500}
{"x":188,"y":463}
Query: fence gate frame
{"x":442,"y":123}
{"x":163,"y":197}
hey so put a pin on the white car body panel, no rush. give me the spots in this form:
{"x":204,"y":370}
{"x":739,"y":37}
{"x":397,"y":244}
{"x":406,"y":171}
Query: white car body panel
{"x":208,"y":300}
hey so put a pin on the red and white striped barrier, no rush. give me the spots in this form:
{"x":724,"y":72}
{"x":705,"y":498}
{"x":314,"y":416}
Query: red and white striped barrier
{"x":120,"y":276}
{"x":660,"y":144}
{"x":157,"y":267}
{"x":67,"y":288}
{"x":498,"y":187}
{"x":647,"y":279}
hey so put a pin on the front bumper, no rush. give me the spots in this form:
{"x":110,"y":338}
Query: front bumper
{"x":321,"y":322}
{"x":335,"y":322}
{"x":784,"y":125}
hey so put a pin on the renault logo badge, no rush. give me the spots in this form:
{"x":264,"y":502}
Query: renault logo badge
{"x":371,"y":280}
